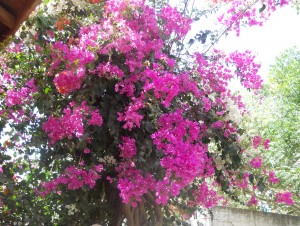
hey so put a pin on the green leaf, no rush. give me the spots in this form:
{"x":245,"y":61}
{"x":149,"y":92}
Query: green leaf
{"x":262,"y":8}
{"x":205,"y":140}
{"x":260,"y":185}
{"x":251,"y":178}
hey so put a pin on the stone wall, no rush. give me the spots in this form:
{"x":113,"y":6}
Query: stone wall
{"x":238,"y":217}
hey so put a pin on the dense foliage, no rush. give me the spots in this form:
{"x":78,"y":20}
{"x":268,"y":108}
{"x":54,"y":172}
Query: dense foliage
{"x":106,"y":116}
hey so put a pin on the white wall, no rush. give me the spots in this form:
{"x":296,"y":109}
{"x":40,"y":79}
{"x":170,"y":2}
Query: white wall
{"x":238,"y":217}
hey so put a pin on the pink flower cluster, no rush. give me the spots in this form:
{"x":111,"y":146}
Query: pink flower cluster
{"x":272,"y":178}
{"x":237,"y":14}
{"x":216,"y":73}
{"x":132,"y":184}
{"x":217,"y":125}
{"x":72,"y":123}
{"x":14,"y":97}
{"x":66,"y":82}
{"x":243,"y":183}
{"x":253,"y":201}
{"x":163,"y":190}
{"x":184,"y":159}
{"x":256,"y":162}
{"x":241,"y":12}
{"x":74,"y":57}
{"x":174,"y":22}
{"x":109,"y":70}
{"x":206,"y":197}
{"x":206,"y":104}
{"x":128,"y":38}
{"x":96,"y":118}
{"x":131,"y":116}
{"x":165,"y":86}
{"x":247,"y":69}
{"x":285,"y":197}
{"x":257,"y":141}
{"x":21,"y":96}
{"x":127,"y":147}
{"x":266,"y":144}
{"x":74,"y":177}
{"x":213,"y":73}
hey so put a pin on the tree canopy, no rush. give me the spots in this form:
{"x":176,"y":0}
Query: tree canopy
{"x":107,"y":116}
{"x":277,"y":117}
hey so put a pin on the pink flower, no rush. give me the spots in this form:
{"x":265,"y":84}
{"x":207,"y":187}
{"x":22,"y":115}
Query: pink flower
{"x":253,"y":201}
{"x":244,"y":182}
{"x":285,"y":197}
{"x":109,"y":179}
{"x":234,"y":18}
{"x":217,"y":125}
{"x":272,"y":178}
{"x":67,"y":126}
{"x":256,"y":162}
{"x":185,"y":156}
{"x":96,"y":118}
{"x":206,"y":104}
{"x":73,"y":177}
{"x":98,"y":168}
{"x":87,"y":151}
{"x":226,"y":133}
{"x":131,"y":117}
{"x":132,"y":183}
{"x":266,"y":144}
{"x":71,"y":123}
{"x":31,"y":85}
{"x":109,"y":70}
{"x":16,"y":97}
{"x":66,"y":82}
{"x":247,"y":69}
{"x":205,"y":196}
{"x":174,"y":21}
{"x":186,"y":216}
{"x":256,"y":141}
{"x":128,"y":148}
{"x":166,"y":86}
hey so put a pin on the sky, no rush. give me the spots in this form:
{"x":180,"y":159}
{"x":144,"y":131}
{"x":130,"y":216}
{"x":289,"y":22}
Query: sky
{"x":280,"y":32}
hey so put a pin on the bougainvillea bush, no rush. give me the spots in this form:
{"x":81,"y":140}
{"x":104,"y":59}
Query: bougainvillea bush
{"x":107,"y":117}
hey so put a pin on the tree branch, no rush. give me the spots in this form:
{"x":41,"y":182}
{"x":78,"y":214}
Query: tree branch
{"x":128,"y":214}
{"x":157,"y":209}
{"x":230,"y":26}
{"x":136,"y":216}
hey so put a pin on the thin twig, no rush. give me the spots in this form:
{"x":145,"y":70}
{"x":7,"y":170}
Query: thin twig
{"x":230,"y":26}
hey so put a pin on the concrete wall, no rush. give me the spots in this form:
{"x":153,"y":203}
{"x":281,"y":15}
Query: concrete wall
{"x":238,"y":217}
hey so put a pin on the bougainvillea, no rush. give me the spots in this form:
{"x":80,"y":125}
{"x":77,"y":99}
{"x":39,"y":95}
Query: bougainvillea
{"x":285,"y":197}
{"x":111,"y":118}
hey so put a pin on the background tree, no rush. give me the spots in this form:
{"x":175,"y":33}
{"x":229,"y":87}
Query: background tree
{"x":106,"y":116}
{"x":277,"y":117}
